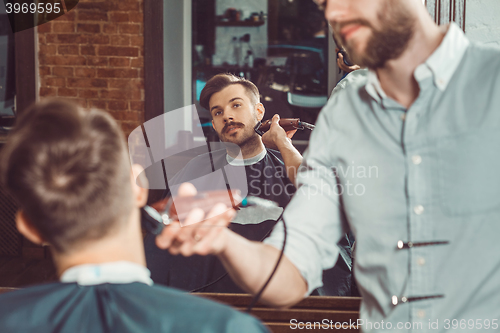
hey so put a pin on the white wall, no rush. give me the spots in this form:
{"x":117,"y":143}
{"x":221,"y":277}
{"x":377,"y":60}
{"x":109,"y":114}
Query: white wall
{"x":482,"y":21}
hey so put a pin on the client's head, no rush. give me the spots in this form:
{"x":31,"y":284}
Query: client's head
{"x":69,"y":171}
{"x":234,"y":105}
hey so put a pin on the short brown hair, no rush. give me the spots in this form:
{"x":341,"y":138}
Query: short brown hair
{"x":221,"y":81}
{"x":69,"y":172}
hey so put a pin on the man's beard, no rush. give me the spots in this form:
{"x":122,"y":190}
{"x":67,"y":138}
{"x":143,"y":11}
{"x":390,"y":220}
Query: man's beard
{"x":390,"y":41}
{"x":248,"y":137}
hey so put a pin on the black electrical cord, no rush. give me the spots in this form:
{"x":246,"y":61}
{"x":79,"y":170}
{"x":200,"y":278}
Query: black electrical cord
{"x":225,"y":274}
{"x":257,"y":296}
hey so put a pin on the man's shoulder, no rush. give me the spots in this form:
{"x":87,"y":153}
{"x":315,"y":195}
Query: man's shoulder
{"x":157,"y":306}
{"x":482,"y":59}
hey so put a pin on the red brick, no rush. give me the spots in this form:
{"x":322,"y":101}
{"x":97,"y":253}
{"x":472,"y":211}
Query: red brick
{"x":118,"y":105}
{"x":111,"y":28}
{"x":86,"y":83}
{"x":129,"y":28}
{"x":67,"y":38}
{"x":91,"y":28}
{"x":48,"y":49}
{"x":66,"y":92}
{"x":137,"y":62}
{"x":44,"y":28}
{"x":117,"y":73}
{"x":62,"y":71}
{"x":119,"y":62}
{"x":137,"y":106}
{"x":128,"y":116}
{"x":128,"y":5}
{"x":67,"y":49}
{"x":137,"y":40}
{"x":98,"y":39}
{"x":118,"y":17}
{"x":69,"y":16}
{"x":120,"y":40}
{"x":63,"y":60}
{"x":44,"y":70}
{"x":136,"y":17}
{"x":64,"y":27}
{"x":126,"y":83}
{"x":121,"y":94}
{"x":87,"y":50}
{"x":128,"y":127}
{"x":99,"y":6}
{"x":54,"y":81}
{"x":97,"y":61}
{"x":80,"y":101}
{"x":47,"y":91}
{"x":118,"y":51}
{"x":41,"y":39}
{"x":87,"y":93}
{"x":92,"y":15}
{"x":84,"y":72}
{"x":98,"y":104}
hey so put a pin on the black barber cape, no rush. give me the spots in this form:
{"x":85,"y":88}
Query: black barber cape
{"x":121,"y":308}
{"x":266,"y":179}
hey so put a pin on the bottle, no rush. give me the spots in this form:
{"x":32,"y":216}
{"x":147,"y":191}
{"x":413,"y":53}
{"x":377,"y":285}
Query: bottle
{"x":236,"y":51}
{"x":249,"y":59}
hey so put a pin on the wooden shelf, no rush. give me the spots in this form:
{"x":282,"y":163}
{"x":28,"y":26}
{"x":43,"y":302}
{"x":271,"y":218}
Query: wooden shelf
{"x":240,"y":24}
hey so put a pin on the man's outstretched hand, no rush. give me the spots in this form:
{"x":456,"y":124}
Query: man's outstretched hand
{"x":206,"y":237}
{"x":276,"y":136}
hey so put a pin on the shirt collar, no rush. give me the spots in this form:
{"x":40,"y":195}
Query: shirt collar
{"x":445,"y":60}
{"x":441,"y":65}
{"x":246,"y":161}
{"x":118,"y":272}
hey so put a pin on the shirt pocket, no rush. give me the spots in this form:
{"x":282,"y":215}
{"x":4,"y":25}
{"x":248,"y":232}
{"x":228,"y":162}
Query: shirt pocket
{"x":469,"y":172}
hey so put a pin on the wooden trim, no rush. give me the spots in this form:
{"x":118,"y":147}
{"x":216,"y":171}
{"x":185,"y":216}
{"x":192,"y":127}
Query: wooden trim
{"x":311,"y":302}
{"x":153,"y":59}
{"x":26,"y":70}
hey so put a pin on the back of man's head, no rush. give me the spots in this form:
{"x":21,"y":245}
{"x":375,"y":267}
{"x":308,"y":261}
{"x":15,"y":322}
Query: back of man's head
{"x":68,"y":169}
{"x":221,"y":81}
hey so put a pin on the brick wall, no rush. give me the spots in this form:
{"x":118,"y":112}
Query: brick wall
{"x":94,"y":55}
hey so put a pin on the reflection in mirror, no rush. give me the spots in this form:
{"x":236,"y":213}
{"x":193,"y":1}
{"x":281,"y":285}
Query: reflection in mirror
{"x":275,"y":52}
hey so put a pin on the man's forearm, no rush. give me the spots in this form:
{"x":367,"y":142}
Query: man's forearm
{"x":250,"y":264}
{"x":291,"y":158}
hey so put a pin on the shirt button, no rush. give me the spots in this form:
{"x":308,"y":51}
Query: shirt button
{"x":403,"y":117}
{"x":418,"y":209}
{"x":394,"y":300}
{"x":421,"y":261}
{"x":421,"y":313}
{"x":400,"y":244}
{"x":417,"y":159}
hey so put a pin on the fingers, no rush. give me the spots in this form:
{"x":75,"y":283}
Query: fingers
{"x":275,"y":120}
{"x":291,"y":133}
{"x":198,"y":238}
{"x":187,"y":190}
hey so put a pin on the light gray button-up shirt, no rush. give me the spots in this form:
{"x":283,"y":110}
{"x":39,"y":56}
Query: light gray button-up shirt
{"x":419,"y":187}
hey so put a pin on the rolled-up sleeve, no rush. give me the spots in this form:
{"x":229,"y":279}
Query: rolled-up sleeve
{"x":314,"y":217}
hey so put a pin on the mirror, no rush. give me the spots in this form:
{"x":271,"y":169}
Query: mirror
{"x":284,"y":48}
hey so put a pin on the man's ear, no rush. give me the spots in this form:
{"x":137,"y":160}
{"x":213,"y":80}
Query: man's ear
{"x":260,"y":110}
{"x":140,"y":186}
{"x":213,"y":125}
{"x":27,"y":229}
